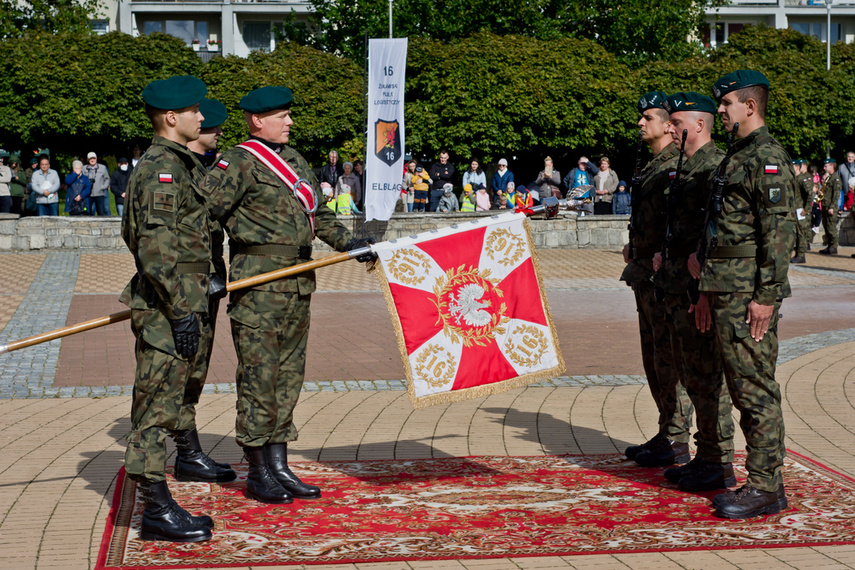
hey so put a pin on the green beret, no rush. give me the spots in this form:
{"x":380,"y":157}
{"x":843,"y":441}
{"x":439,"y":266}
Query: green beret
{"x":15,"y":158}
{"x":4,"y":153}
{"x":652,"y":100}
{"x":739,"y":79}
{"x":689,"y":101}
{"x":177,"y":92}
{"x":797,"y":161}
{"x":266,"y":99}
{"x":215,"y":113}
{"x":829,"y":160}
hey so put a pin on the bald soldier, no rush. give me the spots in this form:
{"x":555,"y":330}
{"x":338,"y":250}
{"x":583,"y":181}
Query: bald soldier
{"x":165,"y":226}
{"x":266,"y":197}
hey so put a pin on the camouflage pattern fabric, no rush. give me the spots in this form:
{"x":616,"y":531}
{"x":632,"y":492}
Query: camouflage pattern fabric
{"x":832,"y":186}
{"x":269,"y":322}
{"x":750,"y":374}
{"x":804,"y":199}
{"x":164,"y":224}
{"x":757,"y":211}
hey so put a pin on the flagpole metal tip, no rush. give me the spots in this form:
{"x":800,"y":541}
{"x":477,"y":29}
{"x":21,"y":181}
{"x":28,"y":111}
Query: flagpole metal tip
{"x":4,"y":348}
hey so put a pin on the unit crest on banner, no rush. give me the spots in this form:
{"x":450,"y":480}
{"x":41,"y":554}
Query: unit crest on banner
{"x":469,"y":310}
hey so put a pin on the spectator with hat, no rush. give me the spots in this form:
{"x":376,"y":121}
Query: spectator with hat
{"x":482,"y":199}
{"x":119,"y":184}
{"x":582,"y":175}
{"x":99,"y":179}
{"x":448,"y":202}
{"x":502,"y":177}
{"x":621,"y":201}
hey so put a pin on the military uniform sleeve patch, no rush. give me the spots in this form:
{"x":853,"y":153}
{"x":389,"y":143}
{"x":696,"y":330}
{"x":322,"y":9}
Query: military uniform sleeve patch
{"x":164,"y":201}
{"x":164,"y":178}
{"x":774,"y":195}
{"x":771,"y":169}
{"x":222,"y":164}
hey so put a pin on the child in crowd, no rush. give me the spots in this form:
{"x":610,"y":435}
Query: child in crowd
{"x":327,"y":189}
{"x":522,"y":199}
{"x":482,"y":199}
{"x":421,"y":184}
{"x":621,"y":201}
{"x":503,"y":202}
{"x":448,"y":202}
{"x":468,"y":199}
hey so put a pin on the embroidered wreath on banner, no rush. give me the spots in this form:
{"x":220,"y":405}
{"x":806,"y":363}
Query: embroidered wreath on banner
{"x":532,"y":348}
{"x":505,"y":245}
{"x":409,"y":266}
{"x":467,"y":309}
{"x":439,"y":370}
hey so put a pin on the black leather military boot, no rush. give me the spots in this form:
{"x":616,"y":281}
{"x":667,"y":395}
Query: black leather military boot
{"x":277,"y":462}
{"x":664,"y":453}
{"x":261,"y":485}
{"x":748,"y":502}
{"x":192,"y":464}
{"x":707,"y":476}
{"x":674,"y":474}
{"x":164,"y":519}
{"x":634,"y":450}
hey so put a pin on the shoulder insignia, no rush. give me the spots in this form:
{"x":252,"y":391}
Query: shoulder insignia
{"x":774,"y":195}
{"x":222,"y":164}
{"x":164,"y":201}
{"x":771,"y":169}
{"x":165,"y":177}
{"x":672,"y":174}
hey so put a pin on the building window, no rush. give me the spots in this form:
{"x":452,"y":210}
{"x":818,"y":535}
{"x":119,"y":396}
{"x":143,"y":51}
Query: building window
{"x":817,"y":30}
{"x":187,"y":30}
{"x":100,"y":27}
{"x":257,"y":36}
{"x":152,"y":27}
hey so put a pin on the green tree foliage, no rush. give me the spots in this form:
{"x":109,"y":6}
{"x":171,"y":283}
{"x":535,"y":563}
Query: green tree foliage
{"x":17,"y":17}
{"x":633,"y":30}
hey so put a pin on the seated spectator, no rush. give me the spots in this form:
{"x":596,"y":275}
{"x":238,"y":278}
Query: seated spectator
{"x":582,"y":175}
{"x":119,"y":184}
{"x":408,"y":185}
{"x":474,"y":175}
{"x":350,"y":179}
{"x":79,"y":188}
{"x":502,"y":177}
{"x":605,"y":184}
{"x":448,"y":202}
{"x":421,"y":186}
{"x":344,"y":202}
{"x":45,"y":184}
{"x":621,"y":201}
{"x":548,"y":181}
{"x":482,"y":199}
{"x":467,"y":201}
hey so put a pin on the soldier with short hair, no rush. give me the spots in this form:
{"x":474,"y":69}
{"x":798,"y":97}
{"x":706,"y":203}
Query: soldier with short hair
{"x":671,"y":443}
{"x":165,"y":226}
{"x":694,"y":352}
{"x":265,"y":195}
{"x":745,"y":279}
{"x":831,"y":187}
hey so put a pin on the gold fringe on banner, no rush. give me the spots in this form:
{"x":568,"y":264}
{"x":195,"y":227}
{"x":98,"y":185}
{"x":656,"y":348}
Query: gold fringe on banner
{"x":485,"y":389}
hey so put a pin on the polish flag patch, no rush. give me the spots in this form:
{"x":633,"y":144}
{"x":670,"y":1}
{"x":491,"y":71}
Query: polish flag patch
{"x":222,"y":164}
{"x":771,"y":169}
{"x":672,"y":174}
{"x":166,"y":178}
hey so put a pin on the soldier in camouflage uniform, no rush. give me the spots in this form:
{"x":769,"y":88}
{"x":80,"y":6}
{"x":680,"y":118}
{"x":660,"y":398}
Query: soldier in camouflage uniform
{"x":693,"y":343}
{"x":832,"y":186}
{"x":670,"y":445}
{"x":745,"y":279}
{"x":804,"y":203}
{"x":165,"y":226}
{"x":269,"y":229}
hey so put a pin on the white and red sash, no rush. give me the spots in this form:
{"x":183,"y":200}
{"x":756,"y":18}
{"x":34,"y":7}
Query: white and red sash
{"x":301,"y":188}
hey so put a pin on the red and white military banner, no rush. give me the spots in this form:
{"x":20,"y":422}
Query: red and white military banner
{"x":469,"y":310}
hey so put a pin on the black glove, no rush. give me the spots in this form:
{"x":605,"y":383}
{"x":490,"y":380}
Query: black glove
{"x":358,"y":243}
{"x":216,"y":287}
{"x":185,"y":332}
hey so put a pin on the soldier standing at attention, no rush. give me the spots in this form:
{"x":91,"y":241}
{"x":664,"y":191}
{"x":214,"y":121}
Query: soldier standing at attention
{"x":265,"y":195}
{"x":191,"y":464}
{"x":804,"y":202}
{"x":165,"y":226}
{"x":832,"y":186}
{"x":745,"y":279}
{"x":670,"y":445}
{"x":696,"y":355}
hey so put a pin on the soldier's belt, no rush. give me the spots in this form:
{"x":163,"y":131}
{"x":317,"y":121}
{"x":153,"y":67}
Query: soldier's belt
{"x":197,"y":267}
{"x":644,"y":252}
{"x":678,"y":252}
{"x":732,"y":251}
{"x":290,"y":251}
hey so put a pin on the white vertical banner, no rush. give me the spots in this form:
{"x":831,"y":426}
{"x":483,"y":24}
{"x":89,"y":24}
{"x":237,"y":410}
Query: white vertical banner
{"x":384,"y":154}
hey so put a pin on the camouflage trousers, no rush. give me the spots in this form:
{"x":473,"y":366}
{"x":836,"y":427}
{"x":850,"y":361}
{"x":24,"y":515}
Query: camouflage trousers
{"x":196,"y":381}
{"x":696,"y":356}
{"x":749,"y":369}
{"x":804,"y":235}
{"x":159,"y":386}
{"x":270,"y":331}
{"x":829,"y":226}
{"x":663,"y":378}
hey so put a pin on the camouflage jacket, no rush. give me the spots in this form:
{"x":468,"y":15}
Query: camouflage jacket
{"x":831,"y":186}
{"x":687,"y":218}
{"x":214,"y":227}
{"x":165,"y":226}
{"x":256,"y":208}
{"x":648,"y":209}
{"x":804,"y":196}
{"x":757,"y":213}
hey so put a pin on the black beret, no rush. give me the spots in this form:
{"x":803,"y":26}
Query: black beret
{"x":215,"y":113}
{"x":177,"y":92}
{"x":266,"y":99}
{"x":689,"y":101}
{"x":739,"y":79}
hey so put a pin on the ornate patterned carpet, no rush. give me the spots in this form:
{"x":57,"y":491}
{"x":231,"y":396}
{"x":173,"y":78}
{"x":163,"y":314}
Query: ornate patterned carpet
{"x":475,"y":507}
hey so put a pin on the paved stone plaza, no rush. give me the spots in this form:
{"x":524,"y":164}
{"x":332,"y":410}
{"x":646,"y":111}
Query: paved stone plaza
{"x":65,"y":405}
